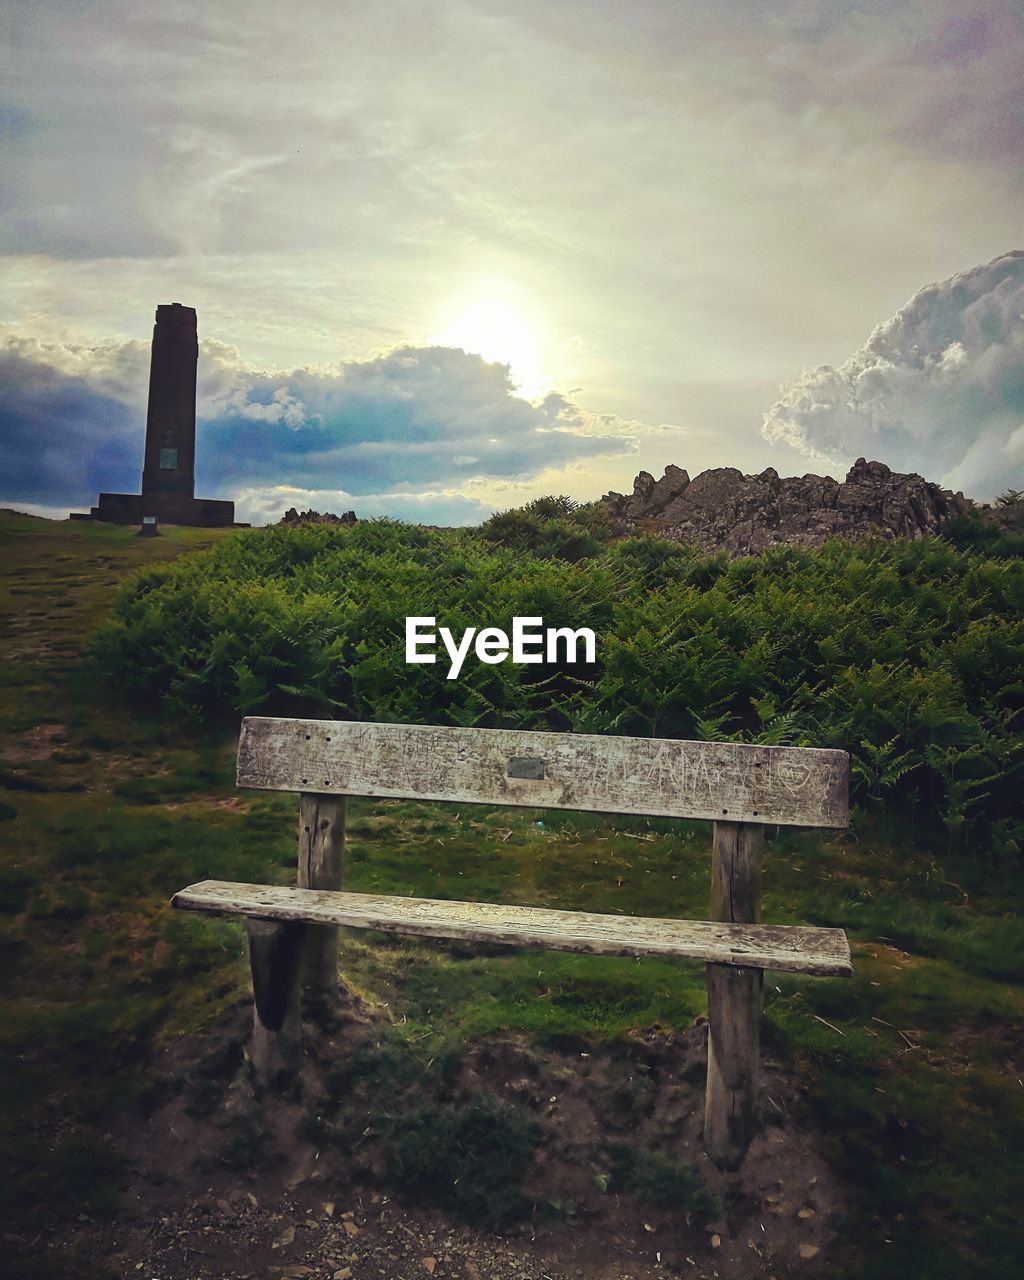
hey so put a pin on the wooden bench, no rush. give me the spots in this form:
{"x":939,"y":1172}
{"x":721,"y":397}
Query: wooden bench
{"x":293,"y":932}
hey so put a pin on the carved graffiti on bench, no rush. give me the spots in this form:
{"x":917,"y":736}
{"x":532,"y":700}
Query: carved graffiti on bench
{"x":653,"y":776}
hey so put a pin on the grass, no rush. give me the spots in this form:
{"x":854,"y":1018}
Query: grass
{"x":658,"y":1179}
{"x":468,"y":1158}
{"x":913,"y":1066}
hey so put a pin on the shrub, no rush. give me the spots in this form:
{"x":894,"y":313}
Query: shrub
{"x":553,"y":527}
{"x":906,"y":654}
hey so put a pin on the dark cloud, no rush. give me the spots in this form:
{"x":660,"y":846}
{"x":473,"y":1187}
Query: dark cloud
{"x":61,"y":436}
{"x":414,"y":419}
{"x":938,"y":389}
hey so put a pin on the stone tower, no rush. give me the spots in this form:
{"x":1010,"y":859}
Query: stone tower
{"x":169,"y":459}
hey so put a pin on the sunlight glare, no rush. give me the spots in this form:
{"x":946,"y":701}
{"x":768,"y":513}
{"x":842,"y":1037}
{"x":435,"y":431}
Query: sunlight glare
{"x":498,"y":330}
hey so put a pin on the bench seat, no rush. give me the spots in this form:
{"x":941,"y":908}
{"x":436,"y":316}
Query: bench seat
{"x":795,"y":948}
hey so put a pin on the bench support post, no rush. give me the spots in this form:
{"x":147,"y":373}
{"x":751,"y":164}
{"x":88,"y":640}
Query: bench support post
{"x":734,"y":999}
{"x":321,"y":846}
{"x":275,"y":958}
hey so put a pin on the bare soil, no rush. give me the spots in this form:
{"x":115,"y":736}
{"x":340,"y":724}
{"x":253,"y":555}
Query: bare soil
{"x":301,"y":1210}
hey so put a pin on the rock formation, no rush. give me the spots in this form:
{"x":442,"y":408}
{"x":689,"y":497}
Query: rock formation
{"x":724,"y":510}
{"x":291,"y":516}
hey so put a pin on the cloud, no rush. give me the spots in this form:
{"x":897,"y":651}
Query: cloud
{"x":417,"y":415}
{"x":417,"y":420}
{"x":937,"y":389}
{"x":68,"y":420}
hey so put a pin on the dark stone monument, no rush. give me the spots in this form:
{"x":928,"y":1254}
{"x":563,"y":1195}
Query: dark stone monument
{"x":169,"y":465}
{"x":170,"y":460}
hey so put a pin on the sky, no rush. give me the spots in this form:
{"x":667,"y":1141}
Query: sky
{"x":450,"y":256}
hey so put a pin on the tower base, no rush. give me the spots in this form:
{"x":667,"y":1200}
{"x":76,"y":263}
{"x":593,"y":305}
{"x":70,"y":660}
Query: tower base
{"x":169,"y":508}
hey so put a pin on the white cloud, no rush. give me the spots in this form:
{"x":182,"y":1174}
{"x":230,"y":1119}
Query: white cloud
{"x":281,"y":407}
{"x":937,"y":389}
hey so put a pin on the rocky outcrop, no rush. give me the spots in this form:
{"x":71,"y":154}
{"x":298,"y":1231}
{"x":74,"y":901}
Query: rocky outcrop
{"x":724,"y":510}
{"x":291,"y":516}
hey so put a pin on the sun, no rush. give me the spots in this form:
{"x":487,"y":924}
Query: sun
{"x":499,"y":330}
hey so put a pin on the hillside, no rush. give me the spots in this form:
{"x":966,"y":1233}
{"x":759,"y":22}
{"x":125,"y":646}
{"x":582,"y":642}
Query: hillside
{"x":894,"y":1117}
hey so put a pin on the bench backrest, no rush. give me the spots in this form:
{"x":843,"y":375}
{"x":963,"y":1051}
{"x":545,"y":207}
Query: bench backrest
{"x":724,"y":781}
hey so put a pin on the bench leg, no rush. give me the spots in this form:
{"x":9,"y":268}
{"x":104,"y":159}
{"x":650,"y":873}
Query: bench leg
{"x":734,"y":1034}
{"x":321,"y":849}
{"x":734,"y":999}
{"x":275,"y":958}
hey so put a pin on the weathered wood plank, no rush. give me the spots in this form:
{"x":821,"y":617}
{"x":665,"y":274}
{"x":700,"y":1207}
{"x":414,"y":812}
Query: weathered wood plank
{"x":664,"y":776}
{"x":734,"y":999}
{"x":321,"y":846}
{"x":786,"y":947}
{"x":736,"y":852}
